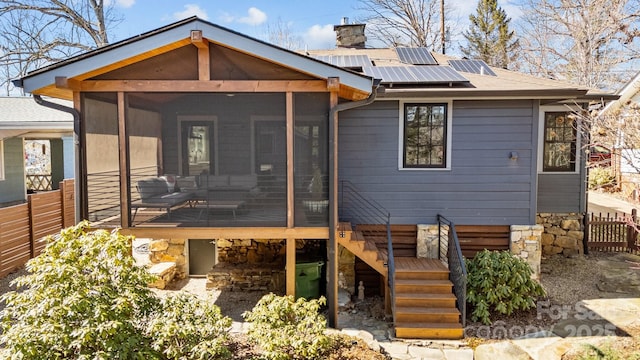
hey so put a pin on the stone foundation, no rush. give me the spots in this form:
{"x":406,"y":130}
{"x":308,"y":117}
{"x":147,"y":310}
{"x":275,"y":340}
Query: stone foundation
{"x":169,"y":250}
{"x":247,"y":251}
{"x":526,"y":243}
{"x":247,"y":277}
{"x":563,"y":233}
{"x":427,"y":241}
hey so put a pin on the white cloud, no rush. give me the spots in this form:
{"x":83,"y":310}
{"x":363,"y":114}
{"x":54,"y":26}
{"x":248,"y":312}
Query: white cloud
{"x":320,"y":37}
{"x":225,"y":17}
{"x":191,"y":10}
{"x":255,"y":17}
{"x":125,"y":3}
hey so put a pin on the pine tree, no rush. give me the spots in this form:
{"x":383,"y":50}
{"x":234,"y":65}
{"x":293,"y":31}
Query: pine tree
{"x":489,"y":37}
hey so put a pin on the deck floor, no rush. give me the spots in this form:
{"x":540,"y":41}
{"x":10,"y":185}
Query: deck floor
{"x":418,"y":264}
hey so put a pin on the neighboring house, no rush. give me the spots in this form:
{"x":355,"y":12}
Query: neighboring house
{"x":225,"y":149}
{"x":22,"y":121}
{"x":626,"y":161}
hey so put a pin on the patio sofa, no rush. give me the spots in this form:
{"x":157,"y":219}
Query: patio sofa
{"x":155,"y":193}
{"x":227,"y":187}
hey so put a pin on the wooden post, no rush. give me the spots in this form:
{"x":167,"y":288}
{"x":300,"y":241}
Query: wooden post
{"x":123,"y":147}
{"x":332,"y":244}
{"x":632,"y":232}
{"x":291,"y":267}
{"x":32,"y":240}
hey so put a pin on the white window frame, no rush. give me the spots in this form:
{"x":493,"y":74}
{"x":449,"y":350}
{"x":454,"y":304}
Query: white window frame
{"x":449,"y":125}
{"x":557,"y":108}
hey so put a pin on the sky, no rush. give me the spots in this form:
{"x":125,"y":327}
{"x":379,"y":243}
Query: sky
{"x":310,"y":20}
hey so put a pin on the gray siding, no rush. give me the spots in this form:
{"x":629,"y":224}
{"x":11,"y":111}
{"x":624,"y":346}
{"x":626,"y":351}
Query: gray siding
{"x":12,"y":188}
{"x":483,"y":185}
{"x":560,"y":193}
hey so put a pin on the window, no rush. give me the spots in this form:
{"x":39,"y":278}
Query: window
{"x":559,"y":142}
{"x":425,"y":136}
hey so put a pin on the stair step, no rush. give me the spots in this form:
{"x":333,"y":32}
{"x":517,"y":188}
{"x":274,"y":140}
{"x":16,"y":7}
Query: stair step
{"x":357,"y":236}
{"x":425,"y":300}
{"x":383,"y":255}
{"x":422,"y":274}
{"x":413,"y":330}
{"x":370,"y":245}
{"x":408,"y":314}
{"x":423,"y":286}
{"x":345,"y":226}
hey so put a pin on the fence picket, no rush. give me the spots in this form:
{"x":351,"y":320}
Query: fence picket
{"x":612,"y":232}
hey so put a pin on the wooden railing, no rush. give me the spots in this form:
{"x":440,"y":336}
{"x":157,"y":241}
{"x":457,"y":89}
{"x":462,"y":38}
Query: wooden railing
{"x":23,"y":226}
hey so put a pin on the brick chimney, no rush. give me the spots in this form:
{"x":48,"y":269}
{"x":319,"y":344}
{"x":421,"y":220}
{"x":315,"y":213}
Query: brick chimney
{"x":350,"y":35}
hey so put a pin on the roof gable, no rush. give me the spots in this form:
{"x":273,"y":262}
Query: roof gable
{"x":173,"y":38}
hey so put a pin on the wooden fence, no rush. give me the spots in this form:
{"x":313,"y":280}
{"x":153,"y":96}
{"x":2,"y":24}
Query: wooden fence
{"x":23,"y":226}
{"x":618,"y":232}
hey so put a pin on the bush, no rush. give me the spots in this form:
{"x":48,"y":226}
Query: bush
{"x":288,"y":329}
{"x":84,"y":298}
{"x":600,"y":177}
{"x":499,"y":281}
{"x":189,"y":328}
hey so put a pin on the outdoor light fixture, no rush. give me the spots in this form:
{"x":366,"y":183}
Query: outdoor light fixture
{"x":513,"y":156}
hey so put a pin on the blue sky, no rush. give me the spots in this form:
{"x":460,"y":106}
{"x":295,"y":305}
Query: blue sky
{"x":311,"y":20}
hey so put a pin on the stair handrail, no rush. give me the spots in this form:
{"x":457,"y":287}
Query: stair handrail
{"x":362,"y":210}
{"x":457,"y":267}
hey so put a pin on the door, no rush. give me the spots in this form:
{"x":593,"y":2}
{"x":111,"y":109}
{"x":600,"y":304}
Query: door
{"x":202,"y":256}
{"x":197,"y":152}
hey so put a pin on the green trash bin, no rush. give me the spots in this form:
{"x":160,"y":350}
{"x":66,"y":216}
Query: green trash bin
{"x":308,"y":279}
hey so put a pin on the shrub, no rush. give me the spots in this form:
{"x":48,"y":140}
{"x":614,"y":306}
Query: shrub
{"x":288,"y":329}
{"x":80,"y":300}
{"x":188,"y":327}
{"x":499,"y":281}
{"x":600,"y":177}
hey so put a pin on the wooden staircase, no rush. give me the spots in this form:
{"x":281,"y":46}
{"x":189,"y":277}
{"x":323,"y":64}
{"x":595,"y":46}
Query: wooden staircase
{"x":424,"y":306}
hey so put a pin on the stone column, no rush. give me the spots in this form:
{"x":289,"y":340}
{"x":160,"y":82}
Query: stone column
{"x":526,"y":243}
{"x":169,"y":250}
{"x":427,"y":241}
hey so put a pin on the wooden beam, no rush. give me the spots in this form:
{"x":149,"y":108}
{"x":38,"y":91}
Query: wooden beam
{"x":291,"y":267}
{"x":228,"y":233}
{"x":63,"y":82}
{"x":123,"y":147}
{"x":203,"y":86}
{"x":198,"y":40}
{"x":290,"y":134}
{"x":333,"y":84}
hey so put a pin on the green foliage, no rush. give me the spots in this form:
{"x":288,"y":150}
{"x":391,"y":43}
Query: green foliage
{"x":80,"y":300}
{"x":84,"y":298}
{"x":287,"y":329}
{"x":607,"y":352}
{"x":489,"y":37}
{"x":600,"y":176}
{"x":189,"y":328}
{"x":499,"y":281}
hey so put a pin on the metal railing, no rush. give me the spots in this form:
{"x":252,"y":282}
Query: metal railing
{"x":450,"y":252}
{"x":357,"y":209}
{"x":39,"y":182}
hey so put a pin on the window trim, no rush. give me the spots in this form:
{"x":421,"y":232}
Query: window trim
{"x":448,"y":126}
{"x":541,"y":133}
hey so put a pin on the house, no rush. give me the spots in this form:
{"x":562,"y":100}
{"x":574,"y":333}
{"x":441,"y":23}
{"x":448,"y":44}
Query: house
{"x":25,"y":125}
{"x":232,"y":152}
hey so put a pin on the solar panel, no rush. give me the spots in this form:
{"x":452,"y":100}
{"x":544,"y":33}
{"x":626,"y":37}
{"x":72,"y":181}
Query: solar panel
{"x":415,"y":74}
{"x":347,"y":61}
{"x":472,"y":67}
{"x":416,"y":56}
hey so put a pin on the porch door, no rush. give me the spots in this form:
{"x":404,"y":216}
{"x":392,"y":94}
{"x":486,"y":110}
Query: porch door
{"x":197,"y":151}
{"x":202,"y":256}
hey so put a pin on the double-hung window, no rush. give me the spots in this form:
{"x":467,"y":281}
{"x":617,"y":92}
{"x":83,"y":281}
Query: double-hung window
{"x":559,"y":142}
{"x":425,"y":135}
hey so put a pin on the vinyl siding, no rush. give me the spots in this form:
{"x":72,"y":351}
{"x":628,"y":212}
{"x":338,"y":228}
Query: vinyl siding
{"x":483,"y":186}
{"x":12,"y":188}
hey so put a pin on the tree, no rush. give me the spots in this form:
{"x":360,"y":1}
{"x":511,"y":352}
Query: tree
{"x":34,"y":33}
{"x":584,"y":41}
{"x":279,"y":33}
{"x":404,"y":22}
{"x":489,"y":37}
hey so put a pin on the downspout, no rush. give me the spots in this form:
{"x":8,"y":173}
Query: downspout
{"x":333,"y":215}
{"x":79,"y":193}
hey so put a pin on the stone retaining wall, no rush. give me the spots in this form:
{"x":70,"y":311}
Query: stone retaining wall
{"x":169,"y":250}
{"x":526,"y":243}
{"x":563,"y":233}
